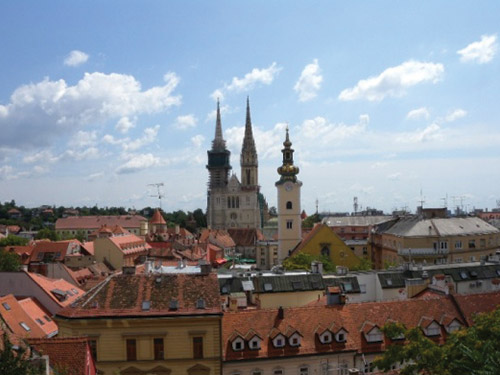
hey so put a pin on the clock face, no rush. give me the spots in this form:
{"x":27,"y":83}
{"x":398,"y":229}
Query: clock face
{"x":288,"y":186}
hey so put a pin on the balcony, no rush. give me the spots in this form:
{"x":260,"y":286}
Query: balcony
{"x":423,"y":252}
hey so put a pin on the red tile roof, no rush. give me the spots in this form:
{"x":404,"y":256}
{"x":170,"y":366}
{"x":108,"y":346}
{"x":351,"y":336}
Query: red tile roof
{"x":245,"y":236}
{"x":217,"y":237}
{"x":23,"y":251}
{"x":157,"y":218}
{"x":70,"y":355}
{"x":46,"y":247}
{"x":53,"y":288}
{"x":123,"y":295}
{"x":472,"y":304}
{"x":95,"y":222}
{"x":18,"y":320}
{"x":311,"y":321}
{"x":130,"y":244}
{"x":40,"y":316}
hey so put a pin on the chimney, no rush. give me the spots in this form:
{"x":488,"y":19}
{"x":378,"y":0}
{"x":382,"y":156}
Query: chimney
{"x":177,"y":229}
{"x":353,"y":371}
{"x":281,"y":313}
{"x":205,"y":267}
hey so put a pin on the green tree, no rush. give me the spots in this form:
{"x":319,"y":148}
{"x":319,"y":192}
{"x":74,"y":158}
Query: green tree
{"x":12,"y":240}
{"x":48,"y":234}
{"x":311,"y":220}
{"x":365,"y":264}
{"x":469,"y":351}
{"x":15,"y":362}
{"x":302,"y":261}
{"x":9,"y":262}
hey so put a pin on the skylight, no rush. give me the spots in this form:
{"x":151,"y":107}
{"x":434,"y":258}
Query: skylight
{"x":146,"y":305}
{"x":25,"y":326}
{"x":173,"y":305}
{"x":6,"y":306}
{"x":268,"y":287}
{"x":463,"y":275}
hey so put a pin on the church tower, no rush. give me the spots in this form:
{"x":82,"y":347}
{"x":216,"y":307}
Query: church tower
{"x":218,"y":170}
{"x":289,"y":222}
{"x":248,"y":159}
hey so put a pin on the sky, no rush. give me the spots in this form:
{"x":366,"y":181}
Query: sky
{"x":388,"y":101}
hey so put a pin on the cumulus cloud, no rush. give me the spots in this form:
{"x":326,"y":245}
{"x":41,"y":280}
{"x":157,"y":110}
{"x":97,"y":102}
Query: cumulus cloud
{"x":309,"y":82}
{"x":148,"y":137}
{"x":94,"y":176}
{"x":38,"y":113}
{"x":197,"y":140}
{"x":44,"y":156}
{"x":480,"y":52}
{"x":455,"y":115}
{"x":76,"y":58}
{"x":138,"y":162}
{"x":394,"y":81}
{"x":419,"y":113}
{"x":394,"y":176}
{"x":256,"y":76}
{"x":430,"y":133}
{"x":125,"y":124}
{"x":185,"y":122}
{"x":323,"y":131}
{"x":83,"y":139}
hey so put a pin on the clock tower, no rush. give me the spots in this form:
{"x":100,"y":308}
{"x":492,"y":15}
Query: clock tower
{"x":289,"y":222}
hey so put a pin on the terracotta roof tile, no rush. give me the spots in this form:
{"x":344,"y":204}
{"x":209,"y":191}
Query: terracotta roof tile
{"x":472,"y":304}
{"x":69,"y":354}
{"x":95,"y":222}
{"x":40,"y":316}
{"x":122,"y":295}
{"x":245,"y":236}
{"x":157,"y":218}
{"x":17,"y":319}
{"x":54,"y":287}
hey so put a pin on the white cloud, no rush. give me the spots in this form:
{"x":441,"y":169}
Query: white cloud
{"x":109,"y":139}
{"x":429,"y":133}
{"x":149,"y":136}
{"x":41,"y":112}
{"x":94,"y":176}
{"x":185,"y":122}
{"x":309,"y":82}
{"x":137,"y":163}
{"x":419,"y":113}
{"x":480,"y":52}
{"x":5,"y":170}
{"x":125,"y":124}
{"x":256,"y":76}
{"x":455,"y":115}
{"x":197,"y":140}
{"x":224,"y":109}
{"x":83,"y":139}
{"x":44,"y":156}
{"x":394,"y":81}
{"x":76,"y":58}
{"x":82,"y":154}
{"x":322,"y":131}
{"x":394,"y":176}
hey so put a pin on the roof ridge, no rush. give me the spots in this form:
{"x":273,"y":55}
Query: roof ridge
{"x":98,"y":287}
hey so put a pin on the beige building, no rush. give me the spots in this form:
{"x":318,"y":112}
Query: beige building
{"x":120,"y":250}
{"x":434,"y":241}
{"x":289,"y":220}
{"x":232,"y":203}
{"x":72,"y":225}
{"x":150,"y":324}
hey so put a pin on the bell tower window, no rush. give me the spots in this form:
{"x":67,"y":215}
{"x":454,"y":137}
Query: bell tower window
{"x":289,"y":205}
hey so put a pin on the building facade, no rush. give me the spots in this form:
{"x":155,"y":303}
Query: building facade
{"x":232,"y":203}
{"x":288,"y":186}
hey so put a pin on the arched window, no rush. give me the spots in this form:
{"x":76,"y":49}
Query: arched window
{"x":289,"y":205}
{"x":325,"y":251}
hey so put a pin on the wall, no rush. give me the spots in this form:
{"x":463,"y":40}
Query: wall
{"x":289,"y":299}
{"x":104,"y":248}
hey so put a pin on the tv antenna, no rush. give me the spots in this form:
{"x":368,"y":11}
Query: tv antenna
{"x":159,"y":194}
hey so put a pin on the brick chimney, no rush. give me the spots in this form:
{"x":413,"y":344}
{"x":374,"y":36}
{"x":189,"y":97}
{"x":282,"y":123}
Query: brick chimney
{"x":281,"y":313}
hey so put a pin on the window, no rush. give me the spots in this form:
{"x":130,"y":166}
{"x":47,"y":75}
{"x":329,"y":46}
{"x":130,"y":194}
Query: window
{"x":254,"y":343}
{"x":482,"y":242}
{"x":444,"y":245}
{"x":341,"y":336}
{"x":278,"y":371}
{"x":369,"y":367}
{"x":365,"y":251}
{"x":93,"y":349}
{"x":289,"y":205}
{"x":131,"y":350}
{"x":458,"y":244}
{"x":256,"y":372}
{"x":40,"y":321}
{"x":325,"y":338}
{"x":303,"y":370}
{"x":295,"y":340}
{"x":375,"y":335}
{"x":343,"y":369}
{"x":6,"y":306}
{"x":197,"y":347}
{"x":159,"y":349}
{"x":238,"y":344}
{"x":289,"y":224}
{"x":472,"y":244}
{"x":325,"y":251}
{"x":362,"y":288}
{"x":433,"y":330}
{"x":25,"y":326}
{"x":47,"y":318}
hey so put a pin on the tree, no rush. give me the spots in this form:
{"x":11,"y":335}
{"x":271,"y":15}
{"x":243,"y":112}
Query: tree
{"x":12,"y":240}
{"x":311,"y":220}
{"x":15,"y":362}
{"x":48,"y":234}
{"x":365,"y":264}
{"x":9,"y":262}
{"x":468,"y":351}
{"x":302,"y":261}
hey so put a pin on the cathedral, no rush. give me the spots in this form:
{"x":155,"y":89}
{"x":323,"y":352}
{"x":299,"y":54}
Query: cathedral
{"x":232,"y":203}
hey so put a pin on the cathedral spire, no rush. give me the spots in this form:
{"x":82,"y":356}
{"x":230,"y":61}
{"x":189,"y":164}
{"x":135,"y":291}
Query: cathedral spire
{"x":248,"y":141}
{"x":218,"y":143}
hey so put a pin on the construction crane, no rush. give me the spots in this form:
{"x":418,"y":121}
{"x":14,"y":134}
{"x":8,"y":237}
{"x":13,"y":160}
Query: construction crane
{"x":159,"y":194}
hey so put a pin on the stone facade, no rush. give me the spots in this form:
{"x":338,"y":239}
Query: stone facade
{"x":231,"y":203}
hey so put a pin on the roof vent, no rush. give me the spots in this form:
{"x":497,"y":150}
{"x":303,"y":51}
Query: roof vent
{"x":146,"y":305}
{"x":158,"y":280}
{"x":173,"y":305}
{"x":200,"y":304}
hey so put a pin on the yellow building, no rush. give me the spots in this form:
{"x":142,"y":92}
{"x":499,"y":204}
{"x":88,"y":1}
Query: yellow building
{"x":120,"y":250}
{"x":150,"y":324}
{"x":434,"y":241}
{"x":322,"y":240}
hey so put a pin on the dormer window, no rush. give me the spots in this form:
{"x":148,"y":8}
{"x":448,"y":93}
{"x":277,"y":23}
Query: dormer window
{"x":453,"y":326}
{"x":433,"y":329}
{"x":238,"y":344}
{"x":326,"y":337}
{"x":341,"y":336}
{"x":254,"y":343}
{"x":279,"y":341}
{"x":200,"y":304}
{"x":375,"y":335}
{"x":294,"y":340}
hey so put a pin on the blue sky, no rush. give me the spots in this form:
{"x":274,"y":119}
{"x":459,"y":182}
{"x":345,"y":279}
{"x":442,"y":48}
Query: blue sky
{"x":384,"y":99}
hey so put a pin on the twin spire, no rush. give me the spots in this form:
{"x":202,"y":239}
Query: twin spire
{"x":218,"y":143}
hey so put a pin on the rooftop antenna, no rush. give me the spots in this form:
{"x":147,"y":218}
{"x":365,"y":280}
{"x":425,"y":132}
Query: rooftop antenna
{"x":445,"y":201}
{"x":422,"y":199}
{"x":355,"y":205}
{"x":159,"y":194}
{"x":317,"y":202}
